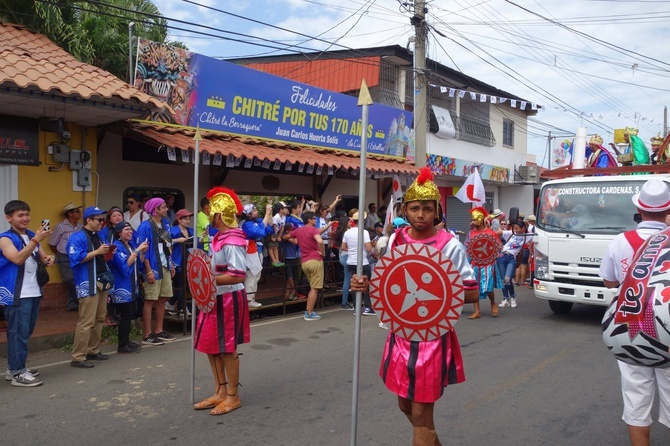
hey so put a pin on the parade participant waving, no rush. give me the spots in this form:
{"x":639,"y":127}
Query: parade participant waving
{"x":483,"y":245}
{"x":219,"y":331}
{"x":418,"y":371}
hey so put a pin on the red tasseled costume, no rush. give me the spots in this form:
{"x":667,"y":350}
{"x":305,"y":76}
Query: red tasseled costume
{"x":424,"y":175}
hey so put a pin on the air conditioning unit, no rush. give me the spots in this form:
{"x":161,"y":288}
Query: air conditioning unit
{"x":529,"y":174}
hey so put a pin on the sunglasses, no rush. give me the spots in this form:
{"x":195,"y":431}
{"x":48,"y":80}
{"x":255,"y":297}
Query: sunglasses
{"x":131,"y":202}
{"x":98,"y":219}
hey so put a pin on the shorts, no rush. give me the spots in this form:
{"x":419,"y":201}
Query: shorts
{"x":160,"y":288}
{"x":271,"y":242}
{"x":313,"y":269}
{"x":638,"y":386}
{"x":292,"y":266}
{"x":525,"y":255}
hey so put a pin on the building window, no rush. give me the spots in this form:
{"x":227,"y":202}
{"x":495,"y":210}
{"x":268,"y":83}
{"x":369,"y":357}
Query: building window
{"x":508,"y":133}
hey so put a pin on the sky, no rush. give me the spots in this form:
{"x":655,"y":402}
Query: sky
{"x":599,"y":64}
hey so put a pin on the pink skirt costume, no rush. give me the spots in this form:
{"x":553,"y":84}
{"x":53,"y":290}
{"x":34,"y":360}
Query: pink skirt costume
{"x":420,"y":370}
{"x":227,"y":325}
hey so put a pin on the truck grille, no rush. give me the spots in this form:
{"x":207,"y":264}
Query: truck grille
{"x":575,"y":273}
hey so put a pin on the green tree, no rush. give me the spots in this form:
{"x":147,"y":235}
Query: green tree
{"x":94,"y":32}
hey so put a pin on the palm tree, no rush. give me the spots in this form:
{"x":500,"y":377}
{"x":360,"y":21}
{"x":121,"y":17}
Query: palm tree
{"x":94,"y":32}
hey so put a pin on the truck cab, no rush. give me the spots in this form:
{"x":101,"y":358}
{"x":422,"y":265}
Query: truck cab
{"x":577,"y":218}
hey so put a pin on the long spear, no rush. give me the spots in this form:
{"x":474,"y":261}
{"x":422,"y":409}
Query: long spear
{"x":364,"y":100}
{"x":197,"y":138}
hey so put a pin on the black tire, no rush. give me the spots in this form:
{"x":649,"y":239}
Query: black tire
{"x":559,"y":307}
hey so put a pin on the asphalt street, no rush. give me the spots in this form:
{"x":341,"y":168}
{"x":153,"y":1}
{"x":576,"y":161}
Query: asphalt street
{"x":533,"y":378}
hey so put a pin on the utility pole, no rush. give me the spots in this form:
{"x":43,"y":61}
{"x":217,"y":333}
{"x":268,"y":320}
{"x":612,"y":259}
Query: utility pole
{"x":420,"y":82}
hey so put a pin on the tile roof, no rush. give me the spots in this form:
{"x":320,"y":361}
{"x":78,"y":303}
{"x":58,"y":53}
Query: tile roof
{"x":30,"y":60}
{"x":182,"y":138}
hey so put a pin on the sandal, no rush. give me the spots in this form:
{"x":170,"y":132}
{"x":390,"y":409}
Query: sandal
{"x":208,"y":403}
{"x":475,"y":316}
{"x":224,"y":407}
{"x":494,"y":310}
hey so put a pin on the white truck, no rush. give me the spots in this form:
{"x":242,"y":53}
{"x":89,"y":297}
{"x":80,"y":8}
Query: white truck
{"x":577,"y":217}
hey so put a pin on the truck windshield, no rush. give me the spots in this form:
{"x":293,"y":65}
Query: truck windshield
{"x":603,"y":207}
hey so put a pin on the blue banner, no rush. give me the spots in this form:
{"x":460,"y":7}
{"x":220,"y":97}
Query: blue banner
{"x":222,"y":96}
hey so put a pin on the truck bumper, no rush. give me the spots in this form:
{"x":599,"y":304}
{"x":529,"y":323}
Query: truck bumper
{"x":579,"y":294}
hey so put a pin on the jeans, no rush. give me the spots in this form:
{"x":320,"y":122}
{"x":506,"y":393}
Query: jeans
{"x":21,"y":320}
{"x":347,"y":278}
{"x":366,"y":272}
{"x":507,"y":266}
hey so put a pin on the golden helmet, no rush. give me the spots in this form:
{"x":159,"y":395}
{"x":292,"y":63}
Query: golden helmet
{"x":423,"y":188}
{"x":224,"y":201}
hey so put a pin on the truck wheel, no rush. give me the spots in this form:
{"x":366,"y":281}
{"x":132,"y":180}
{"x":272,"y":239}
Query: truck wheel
{"x":559,"y":307}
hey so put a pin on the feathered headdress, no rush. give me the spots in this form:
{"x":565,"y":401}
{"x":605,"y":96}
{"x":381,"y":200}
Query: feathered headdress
{"x":224,"y":201}
{"x":423,"y":188}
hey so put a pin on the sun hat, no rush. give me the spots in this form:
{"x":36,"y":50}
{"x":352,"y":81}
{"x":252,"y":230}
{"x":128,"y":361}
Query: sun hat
{"x":653,"y":197}
{"x":355,"y":216}
{"x":153,"y":204}
{"x":531,"y":218}
{"x":92,"y":211}
{"x":496,"y":213}
{"x":70,"y":207}
{"x":183,"y":213}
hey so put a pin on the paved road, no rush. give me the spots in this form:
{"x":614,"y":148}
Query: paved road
{"x":533,"y":378}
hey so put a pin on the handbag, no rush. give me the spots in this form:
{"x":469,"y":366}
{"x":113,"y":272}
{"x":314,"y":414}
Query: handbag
{"x":105,"y":280}
{"x":42,"y":273}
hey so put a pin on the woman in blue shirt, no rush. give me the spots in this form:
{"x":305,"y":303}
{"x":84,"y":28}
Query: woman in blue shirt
{"x":124,"y":268}
{"x":181,"y":232}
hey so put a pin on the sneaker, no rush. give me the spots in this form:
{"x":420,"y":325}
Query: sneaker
{"x":254,"y":304}
{"x":504,"y":303}
{"x":383,"y":325}
{"x":277,"y":264}
{"x":165,"y":336}
{"x":128,"y":349}
{"x":152,"y":340}
{"x":311,"y":317}
{"x":346,"y":307}
{"x":134,"y":344}
{"x":26,"y":379}
{"x":513,"y":302}
{"x":170,"y":308}
{"x":9,"y":376}
{"x":369,"y":312}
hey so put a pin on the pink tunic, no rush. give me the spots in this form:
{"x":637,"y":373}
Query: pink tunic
{"x":419,"y":371}
{"x":227,"y":325}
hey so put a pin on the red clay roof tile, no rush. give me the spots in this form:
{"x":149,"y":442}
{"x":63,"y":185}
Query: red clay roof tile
{"x":29,"y":59}
{"x":182,"y":138}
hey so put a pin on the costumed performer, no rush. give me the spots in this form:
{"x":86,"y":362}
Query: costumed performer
{"x":599,"y":156}
{"x":418,"y":371}
{"x":219,"y":331}
{"x":488,"y":276}
{"x":658,"y":151}
{"x":636,"y":146}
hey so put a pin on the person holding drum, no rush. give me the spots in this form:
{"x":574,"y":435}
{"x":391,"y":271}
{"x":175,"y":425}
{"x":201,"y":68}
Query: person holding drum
{"x":418,"y":371}
{"x":219,"y":331}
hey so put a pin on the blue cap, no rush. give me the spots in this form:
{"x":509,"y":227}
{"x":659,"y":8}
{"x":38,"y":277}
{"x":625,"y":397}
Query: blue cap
{"x":399,"y":222}
{"x":92,"y":211}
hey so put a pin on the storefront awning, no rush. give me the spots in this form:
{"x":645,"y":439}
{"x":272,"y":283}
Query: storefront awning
{"x":227,"y":145}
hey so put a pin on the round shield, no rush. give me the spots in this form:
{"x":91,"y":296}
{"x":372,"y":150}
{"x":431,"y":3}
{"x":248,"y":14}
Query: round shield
{"x":418,"y":291}
{"x":201,"y":280}
{"x":636,"y":326}
{"x":483,"y":247}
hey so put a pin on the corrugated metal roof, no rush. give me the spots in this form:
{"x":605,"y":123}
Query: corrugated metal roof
{"x":339,"y":75}
{"x":182,"y":138}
